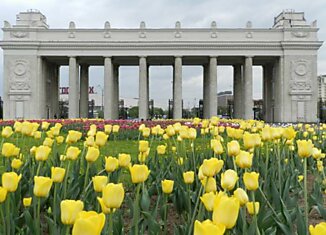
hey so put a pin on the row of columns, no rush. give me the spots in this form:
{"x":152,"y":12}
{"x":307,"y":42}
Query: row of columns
{"x":243,"y":89}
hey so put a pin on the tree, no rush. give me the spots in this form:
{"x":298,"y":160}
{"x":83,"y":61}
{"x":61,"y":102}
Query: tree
{"x":133,"y":112}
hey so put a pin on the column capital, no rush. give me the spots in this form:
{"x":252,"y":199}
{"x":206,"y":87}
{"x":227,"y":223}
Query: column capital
{"x":72,"y":56}
{"x":178,"y":56}
{"x":249,"y":56}
{"x":108,"y":57}
{"x":142,"y":56}
{"x":213,"y":56}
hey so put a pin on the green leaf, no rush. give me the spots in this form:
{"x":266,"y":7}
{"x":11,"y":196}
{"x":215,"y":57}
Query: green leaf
{"x":145,"y":200}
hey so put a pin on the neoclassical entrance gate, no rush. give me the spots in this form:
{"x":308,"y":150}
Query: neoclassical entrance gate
{"x":287,"y":52}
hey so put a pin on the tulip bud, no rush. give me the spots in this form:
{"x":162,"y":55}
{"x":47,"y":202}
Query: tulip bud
{"x":167,"y":186}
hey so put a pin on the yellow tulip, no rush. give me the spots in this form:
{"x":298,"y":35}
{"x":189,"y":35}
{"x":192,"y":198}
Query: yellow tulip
{"x":72,"y":153}
{"x":59,"y":139}
{"x":233,"y":148}
{"x":107,"y":129}
{"x":143,"y":146}
{"x":70,"y":210}
{"x":124,"y":160}
{"x":45,"y":125}
{"x":3,"y":194}
{"x":6,"y":132}
{"x":208,"y":228}
{"x":48,"y":142}
{"x":42,"y":186}
{"x":99,"y":183}
{"x":249,"y":140}
{"x":142,"y":156}
{"x":170,"y":130}
{"x":27,"y":201}
{"x":89,"y":223}
{"x":304,"y":148}
{"x":241,"y":195}
{"x":251,"y":180}
{"x":218,"y":148}
{"x":101,"y":138}
{"x":92,"y":130}
{"x":208,"y":200}
{"x":10,"y":181}
{"x":200,"y":173}
{"x":317,"y":154}
{"x":115,"y":128}
{"x":37,"y":135}
{"x":252,"y":209}
{"x":244,"y":159}
{"x":104,"y":209}
{"x":180,"y":161}
{"x":18,"y":127}
{"x":167,"y":186}
{"x":57,"y":174}
{"x":289,"y":133}
{"x":192,"y":133}
{"x":89,"y":142}
{"x":27,"y":128}
{"x":92,"y":154}
{"x":111,"y":164}
{"x":139,"y":173}
{"x":228,"y":179}
{"x":319,"y":229}
{"x":73,"y":136}
{"x":146,"y":132}
{"x":42,"y":153}
{"x":300,"y":178}
{"x":161,"y":149}
{"x":211,"y":167}
{"x":320,"y":166}
{"x":16,"y":163}
{"x":8,"y":149}
{"x":209,"y":184}
{"x":188,"y":177}
{"x":226,"y":211}
{"x":113,"y":195}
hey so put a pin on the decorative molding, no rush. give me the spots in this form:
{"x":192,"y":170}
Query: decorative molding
{"x":299,"y":34}
{"x":177,"y":29}
{"x":300,"y":83}
{"x":19,"y":34}
{"x":142,"y":27}
{"x":107,"y":28}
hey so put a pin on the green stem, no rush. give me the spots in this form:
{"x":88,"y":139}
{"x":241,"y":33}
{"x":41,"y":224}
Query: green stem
{"x":136,"y":210}
{"x":66,"y":181}
{"x":244,"y":221}
{"x":8,"y":214}
{"x":165,"y":212}
{"x":67,"y":230}
{"x":111,"y":223}
{"x":86,"y":177}
{"x":266,"y":162}
{"x":38,"y":223}
{"x":195,"y":209}
{"x":54,"y":207}
{"x":268,"y":203}
{"x":3,"y":220}
{"x":279,"y":169}
{"x":38,"y":168}
{"x":255,"y":214}
{"x":305,"y":194}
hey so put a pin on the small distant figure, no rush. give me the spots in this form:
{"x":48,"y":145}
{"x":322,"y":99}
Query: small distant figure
{"x":55,"y":116}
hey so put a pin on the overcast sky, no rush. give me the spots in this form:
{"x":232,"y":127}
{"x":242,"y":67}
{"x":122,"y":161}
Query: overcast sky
{"x":159,"y":13}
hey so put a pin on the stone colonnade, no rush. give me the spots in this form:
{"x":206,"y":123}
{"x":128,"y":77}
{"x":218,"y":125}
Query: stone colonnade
{"x":242,"y":88}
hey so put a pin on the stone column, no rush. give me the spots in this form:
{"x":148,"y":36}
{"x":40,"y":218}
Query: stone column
{"x":55,"y":96}
{"x":212,"y":87}
{"x":73,"y":88}
{"x":84,"y":86}
{"x":116,"y":92}
{"x":206,"y":99}
{"x":247,"y":90}
{"x":143,"y":89}
{"x":237,"y":91}
{"x":108,"y":99}
{"x":268,"y":92}
{"x":177,"y":88}
{"x":41,"y":87}
{"x":278,"y":90}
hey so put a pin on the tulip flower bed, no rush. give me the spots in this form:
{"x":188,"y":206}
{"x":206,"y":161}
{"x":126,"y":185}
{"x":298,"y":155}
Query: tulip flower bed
{"x":192,"y":177}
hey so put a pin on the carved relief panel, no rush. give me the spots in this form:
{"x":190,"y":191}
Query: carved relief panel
{"x":300,"y":77}
{"x":20,"y":76}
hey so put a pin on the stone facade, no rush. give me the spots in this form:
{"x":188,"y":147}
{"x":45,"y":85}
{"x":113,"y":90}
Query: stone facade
{"x":287,"y":52}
